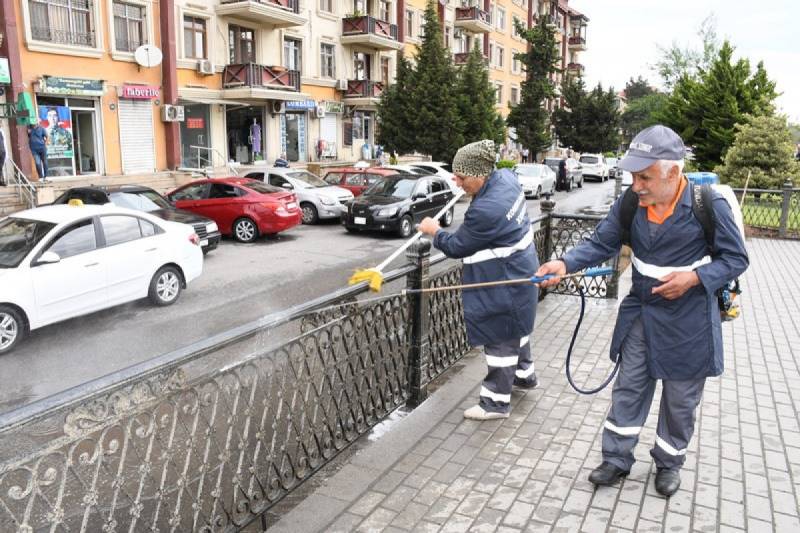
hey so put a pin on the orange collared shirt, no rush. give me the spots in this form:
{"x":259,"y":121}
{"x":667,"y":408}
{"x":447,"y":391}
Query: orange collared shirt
{"x":655,"y":218}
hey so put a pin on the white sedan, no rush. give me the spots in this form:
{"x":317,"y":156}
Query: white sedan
{"x":62,"y":261}
{"x":443,"y":170}
{"x":536,"y":179}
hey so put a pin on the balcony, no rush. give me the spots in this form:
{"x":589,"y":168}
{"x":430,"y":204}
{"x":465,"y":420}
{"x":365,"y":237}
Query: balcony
{"x":72,"y":38}
{"x":473,"y":19}
{"x":277,"y":13}
{"x":461,"y":58}
{"x":575,"y":69}
{"x":363,"y":92}
{"x":371,"y":32}
{"x":259,"y":82}
{"x":577,"y":43}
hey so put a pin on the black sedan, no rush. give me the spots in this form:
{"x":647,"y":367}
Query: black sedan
{"x":399,"y":202}
{"x":146,"y":199}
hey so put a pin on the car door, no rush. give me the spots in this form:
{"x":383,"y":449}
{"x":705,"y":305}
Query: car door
{"x":440,"y":195}
{"x":224,"y":203}
{"x":187,"y":197}
{"x":421,"y":206}
{"x":75,"y":285}
{"x":355,"y":182}
{"x":279,"y":181}
{"x":132,"y":249}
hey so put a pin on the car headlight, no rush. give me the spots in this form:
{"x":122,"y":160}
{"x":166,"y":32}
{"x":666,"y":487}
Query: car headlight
{"x":211,"y":227}
{"x":324,"y":200}
{"x":387,"y":212}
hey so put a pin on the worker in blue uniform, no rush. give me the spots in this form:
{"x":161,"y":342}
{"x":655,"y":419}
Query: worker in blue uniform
{"x":496,"y":243}
{"x":668,"y":327}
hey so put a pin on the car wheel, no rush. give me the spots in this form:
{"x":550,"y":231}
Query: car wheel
{"x":165,"y":287}
{"x":12,"y":328}
{"x":310,"y":215}
{"x":351,"y":229}
{"x":405,"y":227}
{"x":538,"y":192}
{"x":245,"y":230}
{"x":447,"y":218}
{"x":570,"y":183}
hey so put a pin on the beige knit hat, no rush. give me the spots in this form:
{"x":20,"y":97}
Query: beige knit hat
{"x":475,"y":159}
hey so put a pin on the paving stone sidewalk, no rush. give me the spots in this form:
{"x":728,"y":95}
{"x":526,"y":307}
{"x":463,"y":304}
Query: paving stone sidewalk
{"x":434,"y":471}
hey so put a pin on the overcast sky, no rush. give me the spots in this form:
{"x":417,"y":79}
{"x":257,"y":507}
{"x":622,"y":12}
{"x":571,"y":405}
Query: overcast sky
{"x":623,"y":35}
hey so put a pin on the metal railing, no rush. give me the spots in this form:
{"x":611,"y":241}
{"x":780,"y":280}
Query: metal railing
{"x":210,"y":437}
{"x":288,"y":5}
{"x":772,"y":212}
{"x":205,"y":163}
{"x":17,"y":179}
{"x":255,"y":75}
{"x":364,"y":89}
{"x":366,"y":24}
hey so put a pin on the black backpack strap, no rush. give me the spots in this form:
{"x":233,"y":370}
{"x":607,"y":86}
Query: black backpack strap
{"x":703,"y":210}
{"x":628,"y":207}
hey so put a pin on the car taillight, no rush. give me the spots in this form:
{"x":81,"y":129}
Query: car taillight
{"x":282,"y":211}
{"x":194,"y":239}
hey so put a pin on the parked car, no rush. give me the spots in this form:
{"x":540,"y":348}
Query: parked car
{"x":627,"y":179}
{"x":594,"y":166}
{"x":535,"y":179}
{"x":241,"y":207}
{"x":574,"y":173}
{"x":613,"y":168}
{"x":356,"y":180}
{"x":407,"y":169}
{"x":443,"y":170}
{"x":318,"y":200}
{"x":146,"y":199}
{"x":62,"y":261}
{"x":397,"y":203}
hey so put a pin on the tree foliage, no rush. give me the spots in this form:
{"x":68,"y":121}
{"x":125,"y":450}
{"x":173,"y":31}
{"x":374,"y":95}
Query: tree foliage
{"x":676,"y":62}
{"x":477,"y":102}
{"x":764,"y":147}
{"x":396,"y":111}
{"x":704,"y":110}
{"x":590,"y":120}
{"x":530,"y":118}
{"x":641,"y":113}
{"x":638,"y":88}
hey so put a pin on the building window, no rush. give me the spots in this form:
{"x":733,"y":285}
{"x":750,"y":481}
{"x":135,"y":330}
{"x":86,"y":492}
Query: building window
{"x":63,"y":22}
{"x":384,"y":10}
{"x":500,"y":19}
{"x":498,"y":89}
{"x":515,"y":95}
{"x":514,"y":29}
{"x":241,"y":45}
{"x":409,"y":23}
{"x":447,"y":36}
{"x":292,"y":54}
{"x":194,"y":37}
{"x":362,"y":66}
{"x":326,"y":5}
{"x":129,"y":27}
{"x":385,"y":71}
{"x":500,"y":56}
{"x":491,"y":53}
{"x":514,"y":61}
{"x":327,"y":60}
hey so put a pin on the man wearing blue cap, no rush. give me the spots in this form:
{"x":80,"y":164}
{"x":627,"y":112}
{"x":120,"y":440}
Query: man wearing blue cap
{"x":668,"y":327}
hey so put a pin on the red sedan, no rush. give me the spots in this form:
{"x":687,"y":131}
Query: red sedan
{"x":241,"y":207}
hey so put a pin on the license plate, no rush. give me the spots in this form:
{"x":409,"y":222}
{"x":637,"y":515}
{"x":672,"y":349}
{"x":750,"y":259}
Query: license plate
{"x":291,"y":205}
{"x":204,"y":242}
{"x":360,"y":220}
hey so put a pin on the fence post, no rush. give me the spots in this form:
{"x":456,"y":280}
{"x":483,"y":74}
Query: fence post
{"x":618,"y":184}
{"x":547,"y":207}
{"x":787,"y":199}
{"x":419,"y":253}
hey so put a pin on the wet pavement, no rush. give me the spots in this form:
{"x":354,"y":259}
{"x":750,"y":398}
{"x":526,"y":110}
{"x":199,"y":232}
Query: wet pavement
{"x":431,"y":470}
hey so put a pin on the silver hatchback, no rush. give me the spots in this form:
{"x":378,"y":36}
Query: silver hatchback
{"x":318,"y":200}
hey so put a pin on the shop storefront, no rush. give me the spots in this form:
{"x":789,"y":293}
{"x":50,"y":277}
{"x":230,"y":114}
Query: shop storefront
{"x":245,"y":133}
{"x":195,"y":136}
{"x":294,"y":129}
{"x":328,"y":143}
{"x":136,"y":133}
{"x":69,"y":109}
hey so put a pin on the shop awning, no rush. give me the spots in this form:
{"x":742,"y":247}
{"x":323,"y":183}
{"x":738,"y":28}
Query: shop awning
{"x":209,"y":101}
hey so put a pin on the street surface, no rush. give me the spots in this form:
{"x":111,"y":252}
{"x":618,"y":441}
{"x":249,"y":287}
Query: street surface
{"x":240,"y":283}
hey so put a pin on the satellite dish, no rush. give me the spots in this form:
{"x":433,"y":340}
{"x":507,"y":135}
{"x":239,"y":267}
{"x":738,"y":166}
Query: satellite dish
{"x":148,"y":55}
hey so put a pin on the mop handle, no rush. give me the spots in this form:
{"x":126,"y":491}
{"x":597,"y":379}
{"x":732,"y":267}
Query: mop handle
{"x":417,"y":235}
{"x":589,"y":273}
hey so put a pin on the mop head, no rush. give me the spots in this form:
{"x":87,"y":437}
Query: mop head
{"x":374,"y":277}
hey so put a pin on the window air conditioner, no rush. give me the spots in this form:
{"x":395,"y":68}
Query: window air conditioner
{"x":278,"y":107}
{"x":341,"y":85}
{"x":206,"y":67}
{"x":172,"y":113}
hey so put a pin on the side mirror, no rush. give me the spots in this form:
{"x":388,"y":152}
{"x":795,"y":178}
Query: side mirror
{"x":419,"y":196}
{"x":48,"y":258}
{"x":287,"y":186}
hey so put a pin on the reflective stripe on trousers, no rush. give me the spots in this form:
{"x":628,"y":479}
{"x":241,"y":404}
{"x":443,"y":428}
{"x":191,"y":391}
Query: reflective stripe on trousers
{"x":506,"y":361}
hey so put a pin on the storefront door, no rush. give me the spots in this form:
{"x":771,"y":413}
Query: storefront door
{"x":83,"y":127}
{"x":245,"y":130}
{"x":195,"y":138}
{"x":75,"y":144}
{"x":294,"y":136}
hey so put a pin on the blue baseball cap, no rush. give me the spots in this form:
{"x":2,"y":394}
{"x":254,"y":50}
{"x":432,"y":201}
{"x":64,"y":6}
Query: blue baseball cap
{"x":650,"y":145}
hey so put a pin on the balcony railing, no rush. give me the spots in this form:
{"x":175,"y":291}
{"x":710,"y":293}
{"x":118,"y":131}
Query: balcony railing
{"x":289,"y":5}
{"x":363,"y":89}
{"x":473,"y":13}
{"x":365,"y":25}
{"x":461,"y":58}
{"x":575,"y":68}
{"x":74,"y":38}
{"x":127,"y":45}
{"x":577,"y":40}
{"x":255,"y":75}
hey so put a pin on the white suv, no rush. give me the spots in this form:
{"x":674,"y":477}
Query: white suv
{"x":594,"y":166}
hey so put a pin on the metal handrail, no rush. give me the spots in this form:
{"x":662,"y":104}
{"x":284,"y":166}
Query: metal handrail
{"x":25,"y":189}
{"x":210,"y":160}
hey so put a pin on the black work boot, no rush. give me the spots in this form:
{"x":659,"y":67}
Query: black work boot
{"x":668,"y":481}
{"x":528,"y":383}
{"x":607,"y":474}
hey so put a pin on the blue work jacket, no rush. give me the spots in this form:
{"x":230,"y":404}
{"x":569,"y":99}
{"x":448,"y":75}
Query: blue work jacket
{"x":496,"y":219}
{"x":683,"y":336}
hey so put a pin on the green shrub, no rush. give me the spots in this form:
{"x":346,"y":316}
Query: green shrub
{"x":506,"y":163}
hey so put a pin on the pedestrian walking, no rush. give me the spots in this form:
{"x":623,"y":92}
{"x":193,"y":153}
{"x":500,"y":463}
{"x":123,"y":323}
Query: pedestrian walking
{"x":496,"y":243}
{"x":668,"y":326}
{"x":525,"y":154}
{"x":37,"y":141}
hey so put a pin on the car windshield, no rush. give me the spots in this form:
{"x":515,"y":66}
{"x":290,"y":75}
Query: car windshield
{"x":591,"y":159}
{"x":140,"y":200}
{"x":533,"y":171}
{"x":262,"y":188}
{"x":398,"y":187}
{"x":307,"y":179}
{"x":18,"y":236}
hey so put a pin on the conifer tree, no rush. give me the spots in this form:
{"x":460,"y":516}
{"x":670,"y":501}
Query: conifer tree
{"x":589,"y":122}
{"x":396,"y":111}
{"x":477,"y":101}
{"x":541,"y":60}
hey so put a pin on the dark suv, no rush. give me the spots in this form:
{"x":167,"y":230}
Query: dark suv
{"x":146,"y":199}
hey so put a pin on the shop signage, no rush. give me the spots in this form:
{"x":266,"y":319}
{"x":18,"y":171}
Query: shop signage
{"x":71,"y":86}
{"x":5,"y":75}
{"x":333,"y":107}
{"x":301,"y":105}
{"x":139,"y":92}
{"x":197,"y":123}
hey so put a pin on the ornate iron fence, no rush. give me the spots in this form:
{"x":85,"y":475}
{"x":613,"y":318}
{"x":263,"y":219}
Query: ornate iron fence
{"x":772,"y":211}
{"x":210,"y":437}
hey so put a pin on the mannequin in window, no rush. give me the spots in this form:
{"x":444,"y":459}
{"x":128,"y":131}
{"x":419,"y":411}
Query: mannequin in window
{"x":255,"y":140}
